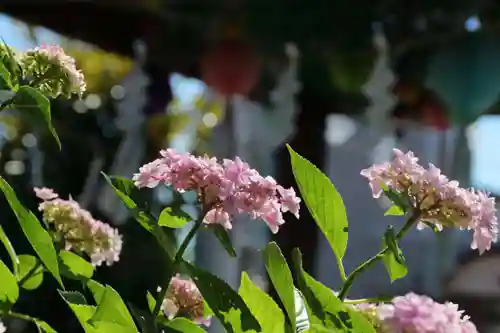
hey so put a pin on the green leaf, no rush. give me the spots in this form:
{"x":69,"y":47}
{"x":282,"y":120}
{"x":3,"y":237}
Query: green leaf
{"x":108,"y":327}
{"x":151,"y":301}
{"x":395,"y":210}
{"x":96,"y":289}
{"x":396,"y":198}
{"x":184,"y":325}
{"x":38,"y":237}
{"x":393,"y":259}
{"x":29,"y":100}
{"x":30,"y":274}
{"x":281,"y":278}
{"x":124,"y":189}
{"x":262,"y":306}
{"x":44,"y":327}
{"x":323,"y":201}
{"x":80,"y":308}
{"x":226,"y":304}
{"x":112,"y":309}
{"x":75,"y":267}
{"x":173,"y":219}
{"x":301,"y":315}
{"x":10,"y":250}
{"x":326,"y":309}
{"x":5,"y":77}
{"x":224,"y":238}
{"x":9,"y":291}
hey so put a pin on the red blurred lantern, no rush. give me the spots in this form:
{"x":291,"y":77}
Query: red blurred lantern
{"x":231,"y":67}
{"x":434,"y":115}
{"x":407,"y":93}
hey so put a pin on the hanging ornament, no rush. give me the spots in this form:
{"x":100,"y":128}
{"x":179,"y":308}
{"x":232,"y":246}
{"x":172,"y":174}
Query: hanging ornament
{"x":407,"y":93}
{"x":466,"y":76}
{"x":231,"y":67}
{"x":350,"y":69}
{"x":434,"y":115}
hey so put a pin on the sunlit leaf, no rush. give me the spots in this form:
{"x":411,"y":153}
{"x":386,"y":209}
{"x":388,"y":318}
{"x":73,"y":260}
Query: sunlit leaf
{"x":226,"y":304}
{"x":38,"y":237}
{"x":75,"y":267}
{"x":9,"y":291}
{"x":393,"y":259}
{"x":262,"y":306}
{"x":30,"y":272}
{"x":184,"y":325}
{"x":112,"y":309}
{"x":173,"y":218}
{"x":326,"y":309}
{"x":281,"y":278}
{"x":323,"y":201}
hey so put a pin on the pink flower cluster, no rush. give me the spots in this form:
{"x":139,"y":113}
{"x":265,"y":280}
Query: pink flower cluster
{"x":438,"y":200}
{"x":184,"y":299}
{"x":79,"y":230}
{"x":52,"y":61}
{"x":414,"y":313}
{"x":224,"y":189}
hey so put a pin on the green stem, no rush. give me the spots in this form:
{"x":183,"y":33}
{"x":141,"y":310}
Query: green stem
{"x":177,"y":262}
{"x":362,"y":267}
{"x":367,"y":300}
{"x":18,"y":316}
{"x":10,"y":250}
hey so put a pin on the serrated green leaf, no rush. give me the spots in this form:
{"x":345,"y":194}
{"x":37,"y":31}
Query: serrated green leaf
{"x":81,"y":309}
{"x":226,"y":304}
{"x":9,"y":291}
{"x":281,"y":278}
{"x":29,"y":100}
{"x":124,"y":188}
{"x":38,"y":237}
{"x":394,"y":210}
{"x":184,"y":325}
{"x":96,"y":289}
{"x":30,"y":274}
{"x":75,"y":267}
{"x":223,"y":236}
{"x":173,"y":219}
{"x":112,"y":309}
{"x":44,"y":327}
{"x":262,"y":306}
{"x":327,"y":310}
{"x":10,"y":250}
{"x":393,"y":259}
{"x":323,"y":201}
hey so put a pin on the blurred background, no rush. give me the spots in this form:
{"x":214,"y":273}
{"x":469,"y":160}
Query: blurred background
{"x":342,"y":81}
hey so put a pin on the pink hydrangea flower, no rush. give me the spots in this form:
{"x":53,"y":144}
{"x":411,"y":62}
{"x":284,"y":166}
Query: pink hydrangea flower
{"x":439,"y":201}
{"x":224,"y":189}
{"x":414,"y":313}
{"x":65,"y":78}
{"x":79,"y":231}
{"x":183,"y":298}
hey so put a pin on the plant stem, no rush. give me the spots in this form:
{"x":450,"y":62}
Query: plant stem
{"x":367,"y":300}
{"x":18,"y":316}
{"x":175,"y":266}
{"x":362,"y":267}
